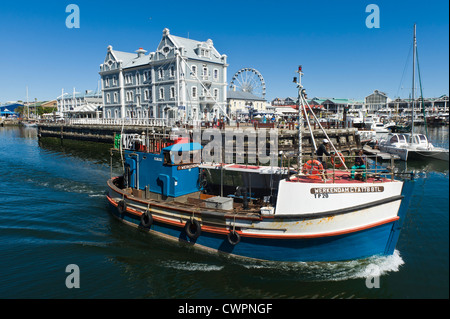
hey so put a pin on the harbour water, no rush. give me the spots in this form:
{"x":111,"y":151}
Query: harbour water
{"x":54,"y":214}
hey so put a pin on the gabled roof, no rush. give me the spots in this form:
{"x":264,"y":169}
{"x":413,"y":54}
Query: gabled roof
{"x":86,"y":108}
{"x":190,"y":48}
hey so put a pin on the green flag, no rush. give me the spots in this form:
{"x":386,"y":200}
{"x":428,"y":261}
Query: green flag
{"x":117,"y":141}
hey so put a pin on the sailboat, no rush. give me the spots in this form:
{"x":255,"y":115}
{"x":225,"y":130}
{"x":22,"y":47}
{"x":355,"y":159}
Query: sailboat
{"x":28,"y":122}
{"x":304,"y":214}
{"x":413,"y":145}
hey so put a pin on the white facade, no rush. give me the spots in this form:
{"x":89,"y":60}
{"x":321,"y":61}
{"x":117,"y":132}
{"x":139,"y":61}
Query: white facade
{"x":184,"y":80}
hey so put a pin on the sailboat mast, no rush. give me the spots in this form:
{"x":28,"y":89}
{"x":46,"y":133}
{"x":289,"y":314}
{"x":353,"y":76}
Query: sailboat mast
{"x":28,"y":107}
{"x":413,"y":83}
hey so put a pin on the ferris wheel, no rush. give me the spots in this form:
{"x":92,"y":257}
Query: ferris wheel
{"x":249,"y":80}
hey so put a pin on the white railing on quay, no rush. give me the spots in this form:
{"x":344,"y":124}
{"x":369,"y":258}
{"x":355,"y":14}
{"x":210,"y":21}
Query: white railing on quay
{"x":120,"y":122}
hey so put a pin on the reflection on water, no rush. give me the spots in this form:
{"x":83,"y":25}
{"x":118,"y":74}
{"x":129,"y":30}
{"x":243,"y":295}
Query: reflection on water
{"x":54,"y":213}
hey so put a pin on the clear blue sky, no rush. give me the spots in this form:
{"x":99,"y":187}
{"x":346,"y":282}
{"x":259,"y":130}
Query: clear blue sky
{"x":341,"y":57}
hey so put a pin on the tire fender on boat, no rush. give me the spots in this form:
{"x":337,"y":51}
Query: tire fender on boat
{"x":193,"y":228}
{"x":122,"y":207}
{"x":233,"y":238}
{"x":146,"y":219}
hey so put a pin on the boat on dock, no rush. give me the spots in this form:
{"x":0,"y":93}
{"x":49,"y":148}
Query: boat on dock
{"x":412,"y":145}
{"x":255,"y":211}
{"x":379,"y":154}
{"x":29,"y":124}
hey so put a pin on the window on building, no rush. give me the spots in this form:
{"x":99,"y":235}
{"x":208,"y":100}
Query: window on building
{"x":116,"y":114}
{"x":146,"y":95}
{"x":116,"y":97}
{"x":216,"y":74}
{"x":137,"y":78}
{"x":129,"y":96}
{"x":114,"y":80}
{"x":172,"y":71}
{"x":108,"y":114}
{"x":205,"y":72}
{"x":107,"y":82}
{"x":108,"y":98}
{"x":172,"y":92}
{"x":216,"y":93}
{"x":161,"y":93}
{"x":194,"y":92}
{"x":194,"y":70}
{"x":160,"y":73}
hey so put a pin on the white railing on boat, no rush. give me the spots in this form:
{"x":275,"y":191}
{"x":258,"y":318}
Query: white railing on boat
{"x":334,"y":171}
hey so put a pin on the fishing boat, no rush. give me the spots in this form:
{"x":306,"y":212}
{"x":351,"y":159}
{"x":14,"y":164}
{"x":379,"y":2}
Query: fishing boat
{"x":265,"y":212}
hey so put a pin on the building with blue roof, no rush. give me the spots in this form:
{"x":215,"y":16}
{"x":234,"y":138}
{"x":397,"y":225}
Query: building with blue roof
{"x":8,"y":110}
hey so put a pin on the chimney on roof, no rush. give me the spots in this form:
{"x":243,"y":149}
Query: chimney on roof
{"x":140,"y":52}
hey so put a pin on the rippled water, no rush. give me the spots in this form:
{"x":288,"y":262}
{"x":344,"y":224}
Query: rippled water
{"x":54,"y":213}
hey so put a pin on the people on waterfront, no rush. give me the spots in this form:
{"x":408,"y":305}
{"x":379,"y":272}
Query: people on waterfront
{"x":322,"y":151}
{"x":360,"y":163}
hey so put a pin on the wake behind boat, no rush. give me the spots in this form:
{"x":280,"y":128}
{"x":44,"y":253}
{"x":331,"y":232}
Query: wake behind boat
{"x":259,"y":212}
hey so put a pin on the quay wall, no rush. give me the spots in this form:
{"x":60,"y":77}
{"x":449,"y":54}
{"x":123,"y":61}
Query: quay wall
{"x":345,"y":140}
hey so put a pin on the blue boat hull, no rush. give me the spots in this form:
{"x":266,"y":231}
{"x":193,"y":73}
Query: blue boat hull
{"x":378,"y":240}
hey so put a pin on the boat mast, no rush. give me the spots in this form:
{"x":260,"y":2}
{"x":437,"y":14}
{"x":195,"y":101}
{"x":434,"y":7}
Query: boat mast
{"x":300,"y":115}
{"x":413,"y":82}
{"x":28,"y":107}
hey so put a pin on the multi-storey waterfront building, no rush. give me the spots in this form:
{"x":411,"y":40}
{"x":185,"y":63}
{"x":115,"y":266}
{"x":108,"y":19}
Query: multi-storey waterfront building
{"x":182,"y":80}
{"x":68,"y":102}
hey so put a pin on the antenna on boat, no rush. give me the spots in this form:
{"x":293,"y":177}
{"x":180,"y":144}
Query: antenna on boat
{"x":302,"y":101}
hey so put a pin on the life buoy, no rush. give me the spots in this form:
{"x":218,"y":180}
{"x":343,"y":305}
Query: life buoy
{"x":193,"y":228}
{"x":313,"y":168}
{"x":122,"y":207}
{"x":341,"y":158}
{"x":146,"y":219}
{"x":233,"y":238}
